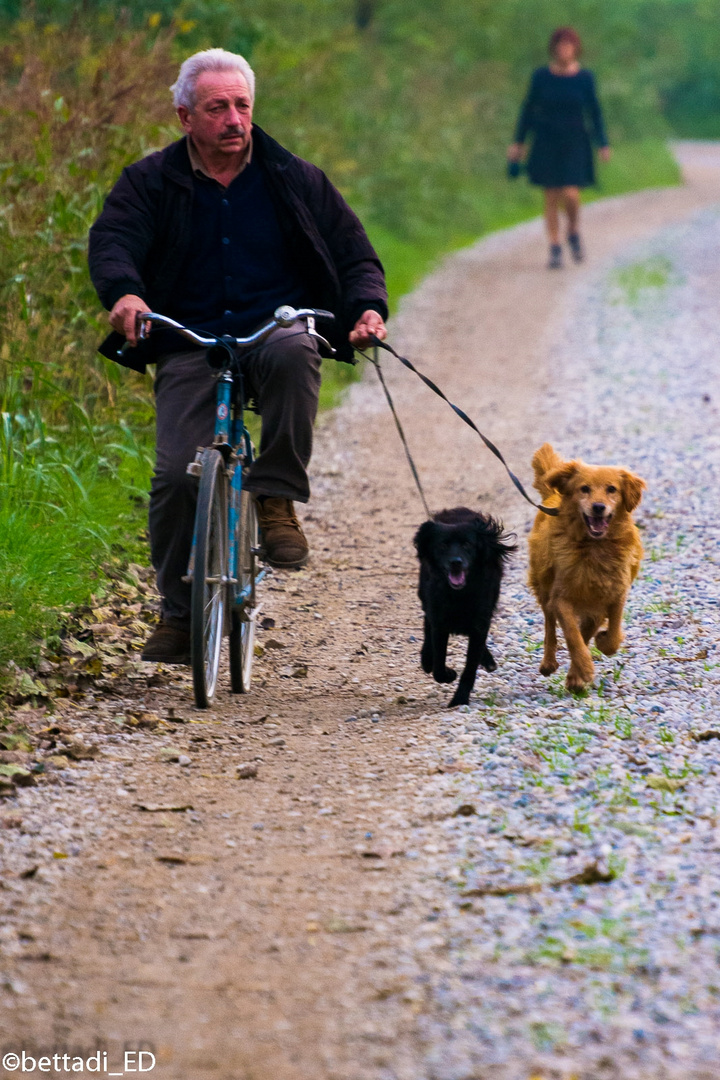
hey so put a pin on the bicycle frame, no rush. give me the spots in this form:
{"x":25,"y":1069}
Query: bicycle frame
{"x":232,"y":439}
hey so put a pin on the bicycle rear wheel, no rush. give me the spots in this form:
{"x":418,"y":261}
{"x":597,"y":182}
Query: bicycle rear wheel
{"x":207,"y":602}
{"x":242,"y":627}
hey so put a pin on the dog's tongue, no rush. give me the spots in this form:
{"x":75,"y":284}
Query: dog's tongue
{"x":456,"y":576}
{"x":597,"y":525}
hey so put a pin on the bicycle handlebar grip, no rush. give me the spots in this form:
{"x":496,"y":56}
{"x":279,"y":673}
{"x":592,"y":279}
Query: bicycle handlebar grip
{"x":141,"y":320}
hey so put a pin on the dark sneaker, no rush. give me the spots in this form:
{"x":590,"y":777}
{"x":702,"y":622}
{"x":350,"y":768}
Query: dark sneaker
{"x":169,"y":643}
{"x":283,"y":540}
{"x":555,"y":260}
{"x":576,"y":248}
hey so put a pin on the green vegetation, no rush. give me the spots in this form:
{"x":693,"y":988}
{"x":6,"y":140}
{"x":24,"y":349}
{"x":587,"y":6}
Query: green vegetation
{"x":644,"y":279}
{"x":407,"y":112}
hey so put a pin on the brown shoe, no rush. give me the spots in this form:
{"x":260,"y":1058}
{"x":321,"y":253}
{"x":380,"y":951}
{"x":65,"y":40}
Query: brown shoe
{"x":283,"y":540}
{"x":169,"y":643}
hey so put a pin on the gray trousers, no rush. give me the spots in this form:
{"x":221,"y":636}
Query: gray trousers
{"x":283,"y":377}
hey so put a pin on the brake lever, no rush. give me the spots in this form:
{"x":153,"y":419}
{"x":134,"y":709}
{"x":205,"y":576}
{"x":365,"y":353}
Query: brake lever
{"x":142,"y":334}
{"x":312,"y":332}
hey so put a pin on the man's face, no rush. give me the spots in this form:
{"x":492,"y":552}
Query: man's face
{"x":221,"y":120}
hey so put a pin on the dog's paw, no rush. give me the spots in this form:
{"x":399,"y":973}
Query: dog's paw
{"x":548,"y":667}
{"x":488,"y":662}
{"x":426,"y":661}
{"x":459,"y":698}
{"x":577,"y":683}
{"x":605,"y":644}
{"x":448,"y":675}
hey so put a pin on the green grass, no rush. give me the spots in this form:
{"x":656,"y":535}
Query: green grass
{"x":644,"y":279}
{"x":69,"y":507}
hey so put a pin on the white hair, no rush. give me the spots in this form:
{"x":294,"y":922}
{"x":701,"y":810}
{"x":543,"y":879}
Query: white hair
{"x":183,"y":90}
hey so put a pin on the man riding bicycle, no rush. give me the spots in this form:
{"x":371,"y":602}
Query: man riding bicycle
{"x":216,"y":231}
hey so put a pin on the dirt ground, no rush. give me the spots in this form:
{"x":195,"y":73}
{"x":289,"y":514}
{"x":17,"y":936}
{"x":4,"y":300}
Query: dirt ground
{"x":260,"y":932}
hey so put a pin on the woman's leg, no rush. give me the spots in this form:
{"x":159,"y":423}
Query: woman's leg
{"x":571,"y":199}
{"x":552,"y":214}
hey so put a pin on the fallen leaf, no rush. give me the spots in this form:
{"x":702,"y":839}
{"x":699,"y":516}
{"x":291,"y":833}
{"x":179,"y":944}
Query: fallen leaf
{"x":702,"y":655}
{"x":465,"y":810}
{"x":488,"y":889}
{"x":148,"y":720}
{"x":664,"y":783}
{"x":169,"y":753}
{"x":158,"y":808}
{"x":10,"y":741}
{"x":172,"y":860}
{"x":78,"y":751}
{"x":73,"y":647}
{"x":705,"y":736}
{"x":342,"y":926}
{"x":19,"y":776}
{"x":591,"y":874}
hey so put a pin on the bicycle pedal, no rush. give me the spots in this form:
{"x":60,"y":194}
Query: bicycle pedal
{"x":187,"y":578}
{"x":194,"y":468}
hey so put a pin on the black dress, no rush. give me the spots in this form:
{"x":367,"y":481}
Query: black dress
{"x":557,"y":109}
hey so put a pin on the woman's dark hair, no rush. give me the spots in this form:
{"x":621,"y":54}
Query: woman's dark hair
{"x":565,"y":33}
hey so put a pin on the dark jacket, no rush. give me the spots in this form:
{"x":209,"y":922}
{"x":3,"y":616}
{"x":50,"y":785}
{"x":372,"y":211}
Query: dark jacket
{"x":142,"y":237}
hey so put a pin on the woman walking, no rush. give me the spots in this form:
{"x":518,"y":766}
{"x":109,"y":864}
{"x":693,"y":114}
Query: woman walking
{"x":559,"y":104}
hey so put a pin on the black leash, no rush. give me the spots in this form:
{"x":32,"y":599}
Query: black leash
{"x":376,"y":364}
{"x":551,"y":511}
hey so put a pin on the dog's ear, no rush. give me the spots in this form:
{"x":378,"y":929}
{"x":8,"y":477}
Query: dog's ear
{"x":632,"y":487}
{"x":424,"y":539}
{"x":491,"y":539}
{"x":560,"y":478}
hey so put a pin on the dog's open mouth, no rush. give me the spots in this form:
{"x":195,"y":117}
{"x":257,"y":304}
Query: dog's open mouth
{"x":457,"y":575}
{"x":596,"y":526}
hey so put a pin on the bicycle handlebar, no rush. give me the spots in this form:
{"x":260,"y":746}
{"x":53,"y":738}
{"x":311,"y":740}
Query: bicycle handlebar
{"x":283,"y":316}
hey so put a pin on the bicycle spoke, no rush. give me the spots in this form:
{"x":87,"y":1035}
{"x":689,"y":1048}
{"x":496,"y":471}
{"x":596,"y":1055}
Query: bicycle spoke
{"x":208,"y":588}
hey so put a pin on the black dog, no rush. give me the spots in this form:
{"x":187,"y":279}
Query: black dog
{"x":462,"y":556}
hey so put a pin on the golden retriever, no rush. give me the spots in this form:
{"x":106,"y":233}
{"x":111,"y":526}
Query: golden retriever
{"x":583,"y":562}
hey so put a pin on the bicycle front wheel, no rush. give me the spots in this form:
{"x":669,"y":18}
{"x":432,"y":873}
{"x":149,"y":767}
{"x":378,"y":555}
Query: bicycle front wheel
{"x":207,"y":603}
{"x":242,"y":628}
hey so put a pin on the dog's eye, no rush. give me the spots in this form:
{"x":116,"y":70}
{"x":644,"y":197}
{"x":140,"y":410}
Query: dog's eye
{"x":611,"y":489}
{"x":585,"y":489}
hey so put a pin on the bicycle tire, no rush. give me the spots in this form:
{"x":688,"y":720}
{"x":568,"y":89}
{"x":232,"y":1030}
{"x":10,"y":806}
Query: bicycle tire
{"x":207,"y":601}
{"x":242,"y":623}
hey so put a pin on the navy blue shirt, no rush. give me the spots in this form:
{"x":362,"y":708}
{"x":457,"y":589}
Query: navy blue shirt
{"x":557,"y":105}
{"x":240,"y":266}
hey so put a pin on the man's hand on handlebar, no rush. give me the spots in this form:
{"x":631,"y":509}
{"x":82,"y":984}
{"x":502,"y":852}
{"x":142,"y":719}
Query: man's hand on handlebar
{"x":123,"y":316}
{"x":370,"y":322}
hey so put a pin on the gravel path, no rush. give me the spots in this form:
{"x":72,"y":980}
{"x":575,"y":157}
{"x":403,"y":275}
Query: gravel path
{"x":389,"y":898}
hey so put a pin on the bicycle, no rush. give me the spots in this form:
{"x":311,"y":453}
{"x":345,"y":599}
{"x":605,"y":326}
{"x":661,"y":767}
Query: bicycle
{"x":223,"y":569}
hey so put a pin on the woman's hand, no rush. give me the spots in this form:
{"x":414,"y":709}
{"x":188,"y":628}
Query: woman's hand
{"x":515,"y":151}
{"x":605,"y":153}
